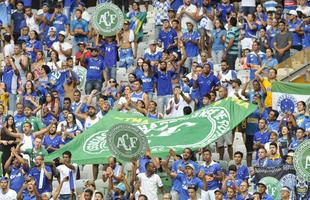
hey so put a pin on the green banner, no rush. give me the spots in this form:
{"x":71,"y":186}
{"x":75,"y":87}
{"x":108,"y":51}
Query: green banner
{"x":302,"y":160}
{"x":197,"y":130}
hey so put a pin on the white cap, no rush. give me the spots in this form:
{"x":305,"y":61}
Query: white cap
{"x":62,"y":33}
{"x":293,"y":12}
{"x":52,"y":28}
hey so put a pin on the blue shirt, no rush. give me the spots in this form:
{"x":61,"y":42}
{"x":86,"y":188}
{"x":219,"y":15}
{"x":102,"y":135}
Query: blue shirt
{"x":253,"y":59}
{"x":306,"y":124}
{"x":270,"y":63}
{"x":49,"y":41}
{"x":295,"y":144}
{"x":10,"y":79}
{"x":57,"y":79}
{"x":248,"y":33}
{"x":142,"y":163}
{"x":148,"y":56}
{"x":271,"y":34}
{"x":306,"y":38}
{"x":55,"y":142}
{"x":110,"y":54}
{"x":191,"y":49}
{"x":35,"y":173}
{"x":251,"y":95}
{"x":17,"y":18}
{"x":94,"y":68}
{"x":163,"y":80}
{"x":273,"y":125}
{"x":188,"y":182}
{"x":217,"y":43}
{"x":37,"y":44}
{"x":295,"y":37}
{"x":242,"y":172}
{"x":26,"y":196}
{"x":19,"y":120}
{"x":79,"y":24}
{"x":206,"y":83}
{"x":213,"y":168}
{"x":60,"y":22}
{"x":252,"y":121}
{"x":16,"y":178}
{"x":225,"y":10}
{"x":147,"y":83}
{"x":167,"y":37}
{"x":263,"y":138}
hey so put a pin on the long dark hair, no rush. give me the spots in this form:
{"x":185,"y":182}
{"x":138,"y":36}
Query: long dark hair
{"x":32,"y":87}
{"x":149,"y":73}
{"x":7,"y":124}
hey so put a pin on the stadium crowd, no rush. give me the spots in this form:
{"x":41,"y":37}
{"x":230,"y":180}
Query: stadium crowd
{"x":46,"y":103}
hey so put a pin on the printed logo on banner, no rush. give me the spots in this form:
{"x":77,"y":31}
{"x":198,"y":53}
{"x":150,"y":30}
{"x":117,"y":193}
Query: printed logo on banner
{"x":289,"y":180}
{"x":302,"y":160}
{"x":107,"y":19}
{"x":96,"y":144}
{"x":273,"y":186}
{"x":127,"y":142}
{"x":286,"y":103}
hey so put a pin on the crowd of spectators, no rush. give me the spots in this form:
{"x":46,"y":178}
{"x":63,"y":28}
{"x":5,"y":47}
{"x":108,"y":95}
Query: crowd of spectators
{"x":46,"y":102}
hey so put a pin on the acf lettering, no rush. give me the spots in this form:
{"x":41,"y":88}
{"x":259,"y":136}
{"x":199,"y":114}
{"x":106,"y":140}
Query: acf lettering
{"x":307,"y":162}
{"x":124,"y":140}
{"x":107,"y":18}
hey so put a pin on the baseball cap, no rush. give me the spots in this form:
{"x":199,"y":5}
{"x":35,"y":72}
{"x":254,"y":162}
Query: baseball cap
{"x":262,"y":184}
{"x":190,"y":165}
{"x":220,"y":191}
{"x":285,"y":188}
{"x":237,"y":80}
{"x":153,"y":42}
{"x":45,"y":4}
{"x":189,"y":22}
{"x":171,"y":10}
{"x":62,"y":33}
{"x":292,"y":12}
{"x":82,"y":4}
{"x":126,"y":22}
{"x":121,"y":186}
{"x":52,"y":28}
{"x":165,"y":20}
{"x":290,"y":154}
{"x":82,"y":43}
{"x":91,"y":106}
{"x":4,"y":178}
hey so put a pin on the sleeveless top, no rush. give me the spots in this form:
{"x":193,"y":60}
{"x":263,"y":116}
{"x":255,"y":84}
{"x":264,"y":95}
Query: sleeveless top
{"x":89,"y":122}
{"x":31,"y":23}
{"x":135,"y":97}
{"x":152,"y":116}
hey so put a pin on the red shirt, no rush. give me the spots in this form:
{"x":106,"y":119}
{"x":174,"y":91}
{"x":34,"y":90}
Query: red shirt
{"x":78,"y":57}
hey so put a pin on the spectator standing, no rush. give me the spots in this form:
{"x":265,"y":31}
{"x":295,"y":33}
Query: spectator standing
{"x":168,"y":37}
{"x":28,"y":191}
{"x":161,"y":8}
{"x":282,"y":43}
{"x":223,"y":10}
{"x":297,"y":34}
{"x":109,"y":50}
{"x":255,"y":59}
{"x":67,"y":169}
{"x":96,"y":72}
{"x":262,"y":188}
{"x":217,"y":42}
{"x":59,"y":20}
{"x":17,"y":17}
{"x":177,"y":103}
{"x":42,"y":174}
{"x":79,"y":29}
{"x":125,"y":38}
{"x":63,"y":48}
{"x":188,"y":12}
{"x":231,"y":43}
{"x":191,"y":40}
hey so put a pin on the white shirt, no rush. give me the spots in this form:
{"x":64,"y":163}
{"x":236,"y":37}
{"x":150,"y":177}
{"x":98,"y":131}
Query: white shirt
{"x":177,"y":110}
{"x":10,"y":195}
{"x":149,"y":185}
{"x":65,"y":47}
{"x":248,"y":3}
{"x":185,"y":18}
{"x":89,"y":122}
{"x":64,"y":171}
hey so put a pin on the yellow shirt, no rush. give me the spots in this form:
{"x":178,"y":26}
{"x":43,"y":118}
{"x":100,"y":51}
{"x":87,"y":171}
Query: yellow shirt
{"x":4,"y":101}
{"x":268,"y":100}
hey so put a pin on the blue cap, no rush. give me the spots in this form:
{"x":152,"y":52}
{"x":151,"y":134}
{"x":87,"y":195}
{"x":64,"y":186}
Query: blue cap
{"x":4,"y":178}
{"x":121,"y":186}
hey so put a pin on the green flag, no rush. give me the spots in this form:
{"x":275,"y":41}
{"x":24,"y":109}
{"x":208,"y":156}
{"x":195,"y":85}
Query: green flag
{"x":197,"y":130}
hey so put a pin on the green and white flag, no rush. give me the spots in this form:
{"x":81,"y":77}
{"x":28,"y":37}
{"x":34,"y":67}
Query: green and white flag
{"x":285,"y":95}
{"x":197,"y":130}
